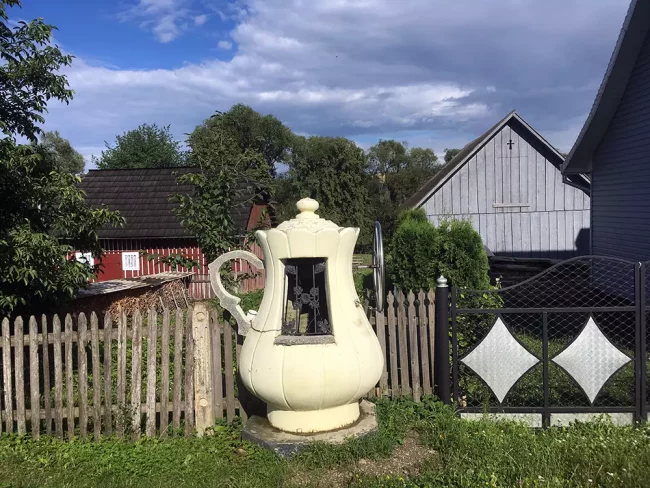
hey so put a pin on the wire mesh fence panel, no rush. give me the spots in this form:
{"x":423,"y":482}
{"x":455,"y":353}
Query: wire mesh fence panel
{"x":563,"y":342}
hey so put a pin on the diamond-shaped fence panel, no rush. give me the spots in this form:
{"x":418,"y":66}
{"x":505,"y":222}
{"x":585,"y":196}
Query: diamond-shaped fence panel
{"x":565,"y":340}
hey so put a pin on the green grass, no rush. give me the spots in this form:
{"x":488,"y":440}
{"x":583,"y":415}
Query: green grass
{"x":467,"y":454}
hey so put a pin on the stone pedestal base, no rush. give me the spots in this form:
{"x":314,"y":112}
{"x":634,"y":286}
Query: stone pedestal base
{"x":259,"y":431}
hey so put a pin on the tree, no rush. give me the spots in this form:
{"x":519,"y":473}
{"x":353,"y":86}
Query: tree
{"x":207,"y":211}
{"x":422,"y":252}
{"x":44,"y":216}
{"x":333,"y":170}
{"x":60,"y":151}
{"x":399,"y":172}
{"x":262,"y":133}
{"x":450,"y":154}
{"x":388,"y":156}
{"x":148,"y":146}
{"x":423,"y":158}
{"x":28,"y":74}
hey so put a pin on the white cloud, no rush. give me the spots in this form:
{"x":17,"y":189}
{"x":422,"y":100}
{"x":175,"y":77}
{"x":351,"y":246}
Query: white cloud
{"x":366,"y":67}
{"x":200,"y":19}
{"x":166,"y":19}
{"x":224,"y":44}
{"x":166,"y":29}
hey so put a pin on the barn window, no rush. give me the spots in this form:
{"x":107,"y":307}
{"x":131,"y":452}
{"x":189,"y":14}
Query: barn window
{"x":130,"y":261}
{"x":306,"y":310}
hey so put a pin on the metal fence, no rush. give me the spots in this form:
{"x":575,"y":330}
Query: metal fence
{"x":566,"y":344}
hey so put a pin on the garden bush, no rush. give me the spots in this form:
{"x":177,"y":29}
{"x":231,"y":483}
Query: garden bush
{"x":421,"y":252}
{"x":413,"y":252}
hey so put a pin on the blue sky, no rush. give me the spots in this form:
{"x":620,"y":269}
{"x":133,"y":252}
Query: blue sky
{"x":433,"y":73}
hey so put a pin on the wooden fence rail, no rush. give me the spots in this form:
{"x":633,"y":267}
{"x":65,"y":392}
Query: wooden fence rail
{"x":169,"y":373}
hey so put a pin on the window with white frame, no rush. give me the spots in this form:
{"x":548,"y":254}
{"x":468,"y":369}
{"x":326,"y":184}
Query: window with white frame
{"x":85,"y":257}
{"x":130,"y":261}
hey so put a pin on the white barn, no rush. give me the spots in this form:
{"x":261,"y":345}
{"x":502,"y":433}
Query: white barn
{"x":508,"y":183}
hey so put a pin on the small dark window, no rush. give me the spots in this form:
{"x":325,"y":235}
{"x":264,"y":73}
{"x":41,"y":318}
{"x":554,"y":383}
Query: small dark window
{"x":306,"y":311}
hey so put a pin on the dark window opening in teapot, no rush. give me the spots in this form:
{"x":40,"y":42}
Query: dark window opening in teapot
{"x":306,"y":311}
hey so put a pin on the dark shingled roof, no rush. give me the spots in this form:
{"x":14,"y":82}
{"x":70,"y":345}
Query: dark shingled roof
{"x":142,"y":198}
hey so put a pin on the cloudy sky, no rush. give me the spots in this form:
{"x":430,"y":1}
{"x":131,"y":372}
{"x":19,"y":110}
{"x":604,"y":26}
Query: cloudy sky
{"x":435,"y":73}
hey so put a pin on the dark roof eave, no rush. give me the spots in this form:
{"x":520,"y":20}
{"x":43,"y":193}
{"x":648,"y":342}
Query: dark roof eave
{"x":612,"y":88}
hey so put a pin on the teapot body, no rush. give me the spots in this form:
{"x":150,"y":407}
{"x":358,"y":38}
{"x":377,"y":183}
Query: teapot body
{"x":311,"y":382}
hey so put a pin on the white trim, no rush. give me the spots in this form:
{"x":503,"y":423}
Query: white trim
{"x":510,"y":205}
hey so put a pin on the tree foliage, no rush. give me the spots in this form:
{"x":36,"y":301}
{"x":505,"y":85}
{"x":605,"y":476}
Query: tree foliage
{"x":29,"y":74}
{"x":450,"y":154}
{"x":413,"y":252}
{"x":421,"y":252}
{"x":225,"y":166}
{"x":399,"y":172}
{"x":147,"y":146}
{"x":44,"y":216}
{"x":63,"y":156}
{"x":333,"y":170}
{"x":253,"y":131}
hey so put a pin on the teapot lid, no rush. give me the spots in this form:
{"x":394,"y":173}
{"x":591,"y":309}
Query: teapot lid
{"x":307,"y":218}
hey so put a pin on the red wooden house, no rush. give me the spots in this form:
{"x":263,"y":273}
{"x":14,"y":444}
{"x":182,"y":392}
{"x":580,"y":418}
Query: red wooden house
{"x":142,"y":197}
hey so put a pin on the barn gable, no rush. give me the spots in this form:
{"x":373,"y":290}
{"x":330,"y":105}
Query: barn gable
{"x":509,"y":185}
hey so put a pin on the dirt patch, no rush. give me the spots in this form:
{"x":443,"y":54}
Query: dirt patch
{"x":405,"y":460}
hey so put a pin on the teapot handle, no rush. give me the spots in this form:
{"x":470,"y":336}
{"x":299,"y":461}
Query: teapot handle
{"x":228,"y":301}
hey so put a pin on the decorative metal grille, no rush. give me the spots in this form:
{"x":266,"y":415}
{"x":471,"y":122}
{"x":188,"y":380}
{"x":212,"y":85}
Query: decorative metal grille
{"x":306,"y":310}
{"x":584,"y":319}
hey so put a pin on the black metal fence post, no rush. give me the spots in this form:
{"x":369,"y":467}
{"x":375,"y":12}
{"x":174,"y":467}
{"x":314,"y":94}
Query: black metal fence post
{"x":641,"y":351}
{"x":441,"y":370}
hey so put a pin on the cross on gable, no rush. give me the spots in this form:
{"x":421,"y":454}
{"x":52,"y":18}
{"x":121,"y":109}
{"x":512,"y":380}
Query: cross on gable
{"x":510,"y":144}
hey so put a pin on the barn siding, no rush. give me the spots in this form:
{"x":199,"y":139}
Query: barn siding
{"x":549,"y":215}
{"x":621,"y":172}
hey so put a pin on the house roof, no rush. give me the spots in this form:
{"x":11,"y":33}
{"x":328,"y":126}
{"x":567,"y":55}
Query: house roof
{"x":449,"y":169}
{"x":142,"y":198}
{"x":630,"y":40}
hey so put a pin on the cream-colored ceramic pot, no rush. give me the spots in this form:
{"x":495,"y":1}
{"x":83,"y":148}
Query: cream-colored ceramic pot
{"x":311,"y":383}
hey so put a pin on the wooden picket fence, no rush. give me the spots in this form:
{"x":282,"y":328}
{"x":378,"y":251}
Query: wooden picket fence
{"x":126,"y":376}
{"x":406,"y":332}
{"x":170,"y":373}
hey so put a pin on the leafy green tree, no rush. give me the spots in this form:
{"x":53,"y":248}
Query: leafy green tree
{"x":207,"y":212}
{"x":333,"y":170}
{"x":44,"y":216}
{"x":423,"y":158}
{"x":421,"y":252}
{"x":252,"y":131}
{"x":388,"y":156}
{"x":28,"y":74}
{"x":400,"y":172}
{"x":64,"y":157}
{"x":148,"y":146}
{"x":450,"y":154}
{"x":413,"y":252}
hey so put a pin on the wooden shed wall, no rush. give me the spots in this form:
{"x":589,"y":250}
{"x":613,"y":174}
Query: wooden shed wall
{"x":515,"y":199}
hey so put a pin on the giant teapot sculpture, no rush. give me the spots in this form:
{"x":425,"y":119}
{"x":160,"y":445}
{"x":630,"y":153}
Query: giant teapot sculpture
{"x":309,"y":351}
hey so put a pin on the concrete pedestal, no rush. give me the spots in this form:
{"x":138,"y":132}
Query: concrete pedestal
{"x":259,"y":431}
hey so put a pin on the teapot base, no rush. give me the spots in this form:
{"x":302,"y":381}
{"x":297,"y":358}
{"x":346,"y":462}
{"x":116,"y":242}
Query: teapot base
{"x":310,"y":421}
